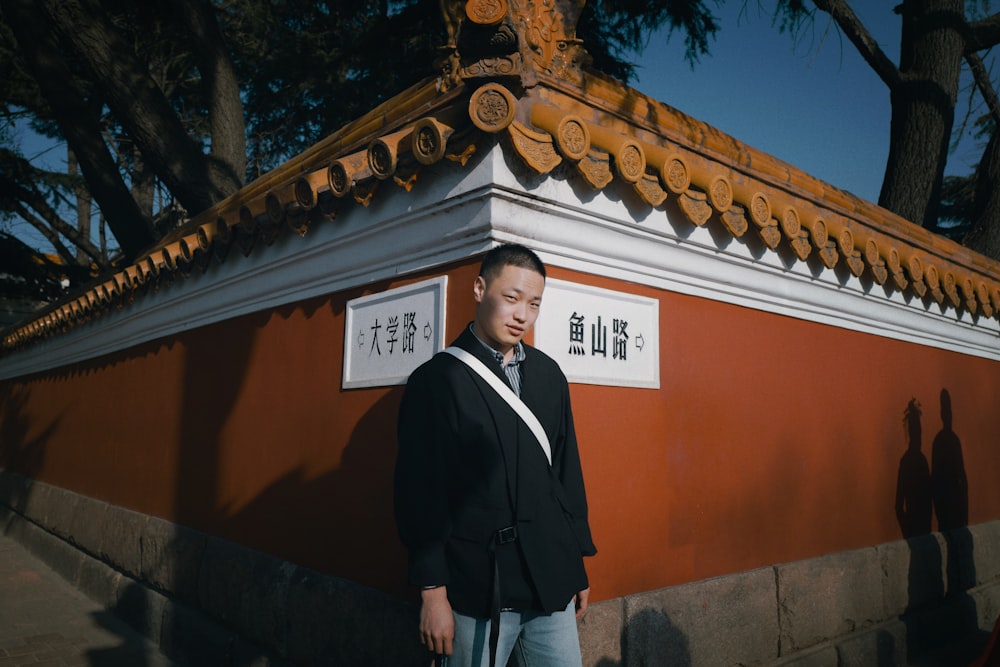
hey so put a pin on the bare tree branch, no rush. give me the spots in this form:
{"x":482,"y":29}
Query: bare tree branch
{"x":197,"y":180}
{"x":46,"y":230}
{"x":863,"y":41}
{"x":983,"y":34}
{"x":81,"y":129}
{"x":984,"y":84}
{"x":14,"y":190}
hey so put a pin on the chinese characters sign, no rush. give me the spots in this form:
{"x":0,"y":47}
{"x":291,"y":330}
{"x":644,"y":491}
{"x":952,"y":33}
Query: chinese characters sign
{"x":387,"y":335}
{"x":599,"y":336}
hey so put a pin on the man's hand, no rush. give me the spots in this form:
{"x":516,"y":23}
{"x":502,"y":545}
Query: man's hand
{"x":582,"y":599}
{"x":437,"y":622}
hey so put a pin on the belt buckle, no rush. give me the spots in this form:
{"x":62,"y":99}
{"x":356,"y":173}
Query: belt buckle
{"x":506,"y":535}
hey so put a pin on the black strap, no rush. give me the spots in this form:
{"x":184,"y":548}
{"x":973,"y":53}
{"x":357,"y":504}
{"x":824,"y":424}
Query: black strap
{"x":494,"y":609}
{"x":503,"y":537}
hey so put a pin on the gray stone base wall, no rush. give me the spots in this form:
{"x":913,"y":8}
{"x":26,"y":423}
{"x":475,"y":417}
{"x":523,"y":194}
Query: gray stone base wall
{"x":931,"y":600}
{"x":927,"y":601}
{"x":206,"y":601}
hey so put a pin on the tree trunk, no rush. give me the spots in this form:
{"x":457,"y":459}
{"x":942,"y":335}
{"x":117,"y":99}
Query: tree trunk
{"x":984,"y":236}
{"x":195,"y":179}
{"x":222,"y":89}
{"x":923,"y":107}
{"x":69,"y":108}
{"x":83,"y":208}
{"x":143,"y":184}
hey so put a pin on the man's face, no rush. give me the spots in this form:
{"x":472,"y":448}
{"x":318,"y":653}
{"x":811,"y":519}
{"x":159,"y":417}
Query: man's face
{"x":507,"y":306}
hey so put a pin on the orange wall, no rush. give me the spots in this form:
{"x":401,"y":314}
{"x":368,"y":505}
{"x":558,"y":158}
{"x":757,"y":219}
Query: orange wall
{"x":770,"y":440}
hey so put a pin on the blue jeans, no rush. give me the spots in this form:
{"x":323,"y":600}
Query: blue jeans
{"x":535,"y":639}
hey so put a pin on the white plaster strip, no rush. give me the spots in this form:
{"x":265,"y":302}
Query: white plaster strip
{"x":454,"y":212}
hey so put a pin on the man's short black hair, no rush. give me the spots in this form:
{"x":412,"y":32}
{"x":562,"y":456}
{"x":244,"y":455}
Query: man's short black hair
{"x":510,"y":254}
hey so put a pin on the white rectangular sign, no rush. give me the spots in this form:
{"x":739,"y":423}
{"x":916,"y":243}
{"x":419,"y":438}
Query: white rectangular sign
{"x":387,"y":335}
{"x":600,"y":336}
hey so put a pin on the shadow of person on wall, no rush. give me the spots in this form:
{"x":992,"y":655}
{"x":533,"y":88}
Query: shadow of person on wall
{"x":914,"y":510}
{"x":951,"y":501}
{"x":913,"y":483}
{"x":958,"y":624}
{"x":951,"y":506}
{"x":651,"y":638}
{"x":949,"y":482}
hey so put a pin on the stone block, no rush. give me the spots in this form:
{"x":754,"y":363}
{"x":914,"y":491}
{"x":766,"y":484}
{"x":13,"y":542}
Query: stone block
{"x":87,"y":524}
{"x":191,"y":638}
{"x":263,"y":609}
{"x":895,"y":559}
{"x":728,"y":620}
{"x":400,"y":622}
{"x":944,"y":624}
{"x":225,"y":569}
{"x":247,"y":590}
{"x":121,"y":539}
{"x":142,"y":608}
{"x":987,"y":600}
{"x":246,"y":654}
{"x":823,"y":598}
{"x":62,"y":512}
{"x":37,"y":502}
{"x":601,"y":633}
{"x":913,"y":573}
{"x":336,"y":622}
{"x":97,"y":580}
{"x":823,"y":656}
{"x":14,"y":490}
{"x":16,"y":527}
{"x":986,"y":554}
{"x":960,"y":565}
{"x":884,"y":645}
{"x":171,"y":558}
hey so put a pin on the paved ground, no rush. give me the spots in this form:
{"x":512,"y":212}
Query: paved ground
{"x":46,"y":622}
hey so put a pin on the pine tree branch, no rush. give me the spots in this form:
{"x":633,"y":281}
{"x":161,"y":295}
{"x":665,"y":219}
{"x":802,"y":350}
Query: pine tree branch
{"x":863,"y":41}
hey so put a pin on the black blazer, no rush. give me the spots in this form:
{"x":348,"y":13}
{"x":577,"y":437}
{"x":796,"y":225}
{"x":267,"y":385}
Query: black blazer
{"x":468,"y":466}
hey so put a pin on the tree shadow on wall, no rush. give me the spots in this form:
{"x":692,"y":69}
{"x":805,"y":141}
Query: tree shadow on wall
{"x":337,"y":522}
{"x":355,"y":616}
{"x":20,"y":452}
{"x":347,"y":511}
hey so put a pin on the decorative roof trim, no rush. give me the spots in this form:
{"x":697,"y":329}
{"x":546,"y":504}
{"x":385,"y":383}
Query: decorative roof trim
{"x":602,"y":133}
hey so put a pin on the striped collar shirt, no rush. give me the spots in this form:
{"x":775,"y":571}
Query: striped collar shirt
{"x":511,"y":369}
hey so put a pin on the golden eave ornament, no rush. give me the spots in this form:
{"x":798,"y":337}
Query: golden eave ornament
{"x":511,"y":39}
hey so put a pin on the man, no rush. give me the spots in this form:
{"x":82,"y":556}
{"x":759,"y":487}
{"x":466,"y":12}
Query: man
{"x":494,"y":529}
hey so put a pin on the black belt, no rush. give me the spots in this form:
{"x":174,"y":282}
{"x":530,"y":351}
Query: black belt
{"x":503,"y":536}
{"x":506,"y":535}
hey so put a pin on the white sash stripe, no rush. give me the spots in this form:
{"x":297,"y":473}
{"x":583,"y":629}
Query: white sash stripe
{"x":506,"y":394}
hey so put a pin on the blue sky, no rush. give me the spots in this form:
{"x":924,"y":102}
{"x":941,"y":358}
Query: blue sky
{"x":815,"y":104}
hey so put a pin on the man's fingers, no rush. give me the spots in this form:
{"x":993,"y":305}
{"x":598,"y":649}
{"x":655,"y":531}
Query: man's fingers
{"x":582,"y":600}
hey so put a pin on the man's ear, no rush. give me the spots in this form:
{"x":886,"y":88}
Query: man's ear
{"x":479,"y":288}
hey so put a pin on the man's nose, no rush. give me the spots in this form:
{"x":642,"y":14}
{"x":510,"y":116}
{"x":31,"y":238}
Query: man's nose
{"x":521,"y":313}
